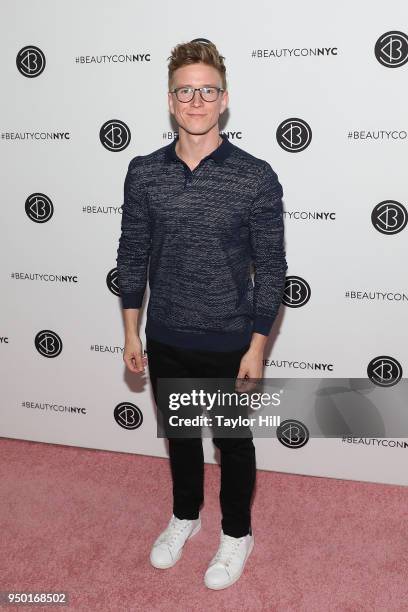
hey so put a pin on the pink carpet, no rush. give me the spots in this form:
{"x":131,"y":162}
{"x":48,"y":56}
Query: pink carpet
{"x":83,"y":521}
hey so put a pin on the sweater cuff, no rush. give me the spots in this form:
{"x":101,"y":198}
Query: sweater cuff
{"x":262,"y":325}
{"x":132,"y":299}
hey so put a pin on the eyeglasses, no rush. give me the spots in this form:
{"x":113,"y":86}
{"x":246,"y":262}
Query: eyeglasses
{"x":186,"y":94}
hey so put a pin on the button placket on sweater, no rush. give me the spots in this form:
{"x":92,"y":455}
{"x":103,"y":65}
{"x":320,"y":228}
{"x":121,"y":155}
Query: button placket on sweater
{"x":190,"y":175}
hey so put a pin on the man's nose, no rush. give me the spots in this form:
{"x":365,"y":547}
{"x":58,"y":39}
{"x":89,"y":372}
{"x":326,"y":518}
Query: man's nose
{"x":197,"y":100}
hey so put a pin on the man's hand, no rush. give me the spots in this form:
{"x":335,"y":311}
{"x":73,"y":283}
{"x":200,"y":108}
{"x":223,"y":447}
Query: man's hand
{"x":133,"y":354}
{"x":251,"y":366}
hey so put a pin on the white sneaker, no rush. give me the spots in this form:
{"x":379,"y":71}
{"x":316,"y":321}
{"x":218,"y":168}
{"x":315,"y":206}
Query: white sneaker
{"x":228,"y":563}
{"x":167,"y":548}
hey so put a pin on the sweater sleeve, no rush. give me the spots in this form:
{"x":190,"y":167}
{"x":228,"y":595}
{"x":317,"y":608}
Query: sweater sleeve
{"x":134,"y":243}
{"x":268,"y":252}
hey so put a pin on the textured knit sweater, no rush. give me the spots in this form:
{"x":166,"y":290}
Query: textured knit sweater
{"x":195,"y":234}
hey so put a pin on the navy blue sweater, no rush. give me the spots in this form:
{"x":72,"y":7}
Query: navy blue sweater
{"x":196,"y":234}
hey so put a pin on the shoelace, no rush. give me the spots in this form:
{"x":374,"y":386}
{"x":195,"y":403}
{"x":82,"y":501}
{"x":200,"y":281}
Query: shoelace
{"x":227,"y":548}
{"x":174,"y":529}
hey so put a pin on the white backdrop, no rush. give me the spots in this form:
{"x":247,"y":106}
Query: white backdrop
{"x":312,"y":92}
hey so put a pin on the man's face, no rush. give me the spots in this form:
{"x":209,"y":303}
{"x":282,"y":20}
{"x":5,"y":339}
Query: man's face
{"x":197,"y":116}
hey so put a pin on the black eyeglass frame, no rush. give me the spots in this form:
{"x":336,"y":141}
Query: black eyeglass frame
{"x":194,"y":89}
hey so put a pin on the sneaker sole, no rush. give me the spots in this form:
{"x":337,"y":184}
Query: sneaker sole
{"x":180,"y":552}
{"x":224,"y":586}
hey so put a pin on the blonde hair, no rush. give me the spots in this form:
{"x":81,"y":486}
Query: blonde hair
{"x":193,"y":52}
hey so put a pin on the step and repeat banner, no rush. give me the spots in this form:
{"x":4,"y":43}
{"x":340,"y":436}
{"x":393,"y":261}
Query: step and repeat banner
{"x":320,"y":93}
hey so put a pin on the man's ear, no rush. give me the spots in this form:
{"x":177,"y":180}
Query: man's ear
{"x":225,"y":101}
{"x":170,"y":103}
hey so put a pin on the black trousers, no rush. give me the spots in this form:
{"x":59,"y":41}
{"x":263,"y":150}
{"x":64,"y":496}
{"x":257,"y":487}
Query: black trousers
{"x":238,"y":463}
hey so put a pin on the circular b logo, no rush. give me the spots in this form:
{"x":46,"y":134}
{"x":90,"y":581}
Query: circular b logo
{"x":391,"y":49}
{"x":292,"y":433}
{"x":201,"y":40}
{"x":297,"y":292}
{"x":128,"y":416}
{"x":294,"y":135}
{"x":39,"y":207}
{"x":114,"y":135}
{"x":112,"y":281}
{"x":48,"y":343}
{"x":384,"y":371}
{"x":30,"y":61}
{"x":389,"y":217}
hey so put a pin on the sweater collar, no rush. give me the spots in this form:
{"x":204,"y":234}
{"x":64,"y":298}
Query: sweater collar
{"x":218,"y":155}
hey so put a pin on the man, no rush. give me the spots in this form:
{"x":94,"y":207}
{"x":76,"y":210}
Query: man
{"x":198,"y":212}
